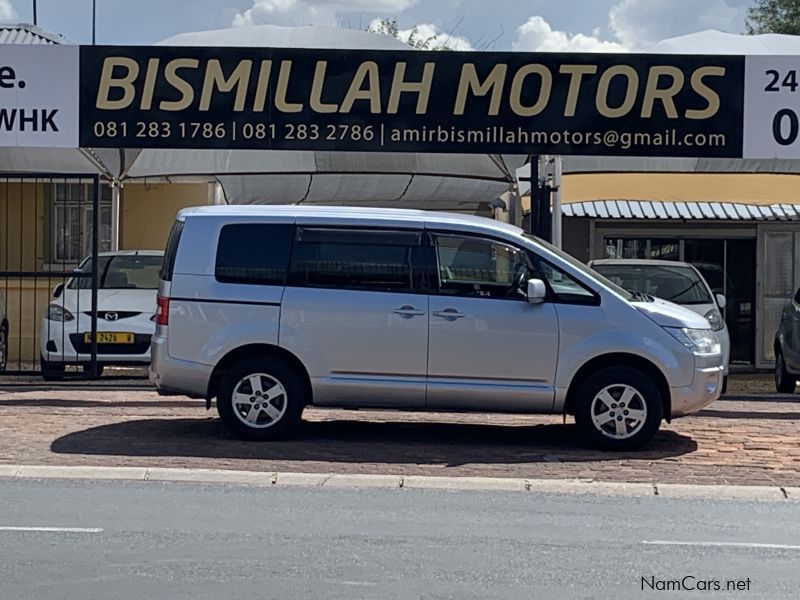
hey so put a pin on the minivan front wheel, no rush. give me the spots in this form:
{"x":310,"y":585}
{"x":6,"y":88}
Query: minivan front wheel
{"x":618,"y":408}
{"x":261,"y":399}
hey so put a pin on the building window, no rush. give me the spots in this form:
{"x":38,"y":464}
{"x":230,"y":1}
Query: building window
{"x":69,"y":221}
{"x":662,"y":249}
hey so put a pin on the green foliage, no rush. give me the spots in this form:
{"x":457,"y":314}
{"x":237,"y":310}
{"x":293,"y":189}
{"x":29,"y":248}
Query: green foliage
{"x":415,"y":40}
{"x":774,"y":16}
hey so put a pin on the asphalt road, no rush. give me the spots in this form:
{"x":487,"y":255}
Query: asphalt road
{"x":163,"y":541}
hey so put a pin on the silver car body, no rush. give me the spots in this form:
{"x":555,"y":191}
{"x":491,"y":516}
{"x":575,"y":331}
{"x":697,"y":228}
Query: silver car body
{"x":700,"y":309}
{"x":364,"y":348}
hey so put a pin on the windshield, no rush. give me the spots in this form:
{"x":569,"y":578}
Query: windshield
{"x":591,"y":274}
{"x":679,"y":284}
{"x":122,"y":272}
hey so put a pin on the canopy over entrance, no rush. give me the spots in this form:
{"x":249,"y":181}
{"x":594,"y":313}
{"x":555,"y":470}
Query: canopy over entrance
{"x":434,"y":181}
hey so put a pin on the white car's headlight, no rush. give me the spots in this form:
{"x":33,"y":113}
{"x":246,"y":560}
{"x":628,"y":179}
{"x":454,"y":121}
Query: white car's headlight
{"x":699,"y":341}
{"x":59,"y":313}
{"x":715,"y":319}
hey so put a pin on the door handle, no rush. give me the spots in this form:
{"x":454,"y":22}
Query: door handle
{"x":449,"y":314}
{"x":408,"y":311}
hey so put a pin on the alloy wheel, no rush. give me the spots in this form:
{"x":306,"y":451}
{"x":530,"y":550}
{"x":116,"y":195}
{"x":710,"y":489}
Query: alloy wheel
{"x":619,"y":411}
{"x":259,"y":400}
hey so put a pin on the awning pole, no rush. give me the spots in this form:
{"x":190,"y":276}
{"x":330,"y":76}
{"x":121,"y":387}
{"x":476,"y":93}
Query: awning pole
{"x":558,"y":164}
{"x":116,"y":187}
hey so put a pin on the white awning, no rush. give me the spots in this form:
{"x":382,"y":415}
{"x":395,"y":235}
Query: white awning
{"x":681,"y":211}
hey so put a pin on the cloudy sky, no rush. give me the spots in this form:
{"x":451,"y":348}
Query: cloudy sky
{"x":581,"y":25}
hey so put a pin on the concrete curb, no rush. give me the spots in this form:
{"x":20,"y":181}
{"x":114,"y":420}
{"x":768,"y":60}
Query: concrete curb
{"x":418,"y":482}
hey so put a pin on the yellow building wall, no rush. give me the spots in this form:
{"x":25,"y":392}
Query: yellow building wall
{"x":22,"y":243}
{"x":148,"y":211}
{"x":744,"y":188}
{"x":21,"y":226}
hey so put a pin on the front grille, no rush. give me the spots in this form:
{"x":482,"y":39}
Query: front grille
{"x":120,"y":314}
{"x":141,"y":342}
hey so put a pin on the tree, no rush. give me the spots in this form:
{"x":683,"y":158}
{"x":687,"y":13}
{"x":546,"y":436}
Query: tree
{"x":415,"y":40}
{"x":774,"y":16}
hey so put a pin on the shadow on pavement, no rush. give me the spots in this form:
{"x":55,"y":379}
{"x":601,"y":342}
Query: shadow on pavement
{"x":448,"y":444}
{"x":742,"y":414}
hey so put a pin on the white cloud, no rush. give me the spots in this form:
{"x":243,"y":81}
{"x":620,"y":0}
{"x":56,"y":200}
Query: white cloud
{"x":427,"y":32}
{"x":7,"y":12}
{"x":640,"y":24}
{"x":536,"y":35}
{"x":314,"y":12}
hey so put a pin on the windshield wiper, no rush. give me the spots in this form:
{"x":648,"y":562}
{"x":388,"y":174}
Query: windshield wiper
{"x":640,"y":296}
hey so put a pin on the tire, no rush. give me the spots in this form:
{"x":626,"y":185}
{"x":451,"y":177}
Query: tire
{"x":87,"y":369}
{"x":51,"y":371}
{"x":602,"y":393}
{"x":724,"y":389}
{"x":785,"y":382}
{"x":3,"y":347}
{"x":246,"y":418}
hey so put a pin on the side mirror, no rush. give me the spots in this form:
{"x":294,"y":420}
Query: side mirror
{"x":721,"y":301}
{"x":58,"y":290}
{"x":537,"y":291}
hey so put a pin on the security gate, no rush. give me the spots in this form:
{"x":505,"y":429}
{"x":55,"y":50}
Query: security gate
{"x":48,"y":225}
{"x":778,"y":278}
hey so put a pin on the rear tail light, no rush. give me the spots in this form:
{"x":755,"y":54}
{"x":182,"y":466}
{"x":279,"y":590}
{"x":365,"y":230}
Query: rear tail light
{"x":162,"y":311}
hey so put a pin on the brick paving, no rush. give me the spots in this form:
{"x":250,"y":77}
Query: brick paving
{"x":740,"y":440}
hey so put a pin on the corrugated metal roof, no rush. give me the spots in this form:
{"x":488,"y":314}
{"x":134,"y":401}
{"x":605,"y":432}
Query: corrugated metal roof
{"x":24,"y":33}
{"x":690,"y":211}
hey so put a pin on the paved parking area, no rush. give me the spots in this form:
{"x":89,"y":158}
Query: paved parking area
{"x":740,"y":440}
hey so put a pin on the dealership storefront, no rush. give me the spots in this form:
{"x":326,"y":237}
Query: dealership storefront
{"x":150,"y":118}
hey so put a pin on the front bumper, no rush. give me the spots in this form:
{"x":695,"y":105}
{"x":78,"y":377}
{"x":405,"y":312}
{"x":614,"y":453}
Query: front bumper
{"x":706,"y":387}
{"x":64,"y":342}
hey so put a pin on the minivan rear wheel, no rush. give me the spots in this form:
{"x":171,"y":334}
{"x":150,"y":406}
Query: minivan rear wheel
{"x":785,"y":382}
{"x":618,"y":408}
{"x":261,"y":398}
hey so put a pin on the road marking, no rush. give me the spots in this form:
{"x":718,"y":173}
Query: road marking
{"x":54,"y":529}
{"x":722,"y":544}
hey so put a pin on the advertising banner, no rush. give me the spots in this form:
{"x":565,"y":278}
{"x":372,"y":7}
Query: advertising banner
{"x":39,"y":95}
{"x":411,"y":101}
{"x":772,"y":101}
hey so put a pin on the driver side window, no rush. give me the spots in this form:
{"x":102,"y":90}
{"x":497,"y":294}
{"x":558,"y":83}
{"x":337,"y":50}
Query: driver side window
{"x":481,"y":268}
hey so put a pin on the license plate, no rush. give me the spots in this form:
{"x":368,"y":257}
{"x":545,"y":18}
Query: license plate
{"x":108,"y":337}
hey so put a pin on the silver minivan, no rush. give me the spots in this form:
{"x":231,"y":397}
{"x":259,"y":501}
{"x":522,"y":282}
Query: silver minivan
{"x":270,"y":309}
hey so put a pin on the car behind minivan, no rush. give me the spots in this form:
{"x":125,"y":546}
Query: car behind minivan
{"x":272,"y":309}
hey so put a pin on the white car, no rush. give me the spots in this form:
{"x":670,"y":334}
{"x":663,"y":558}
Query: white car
{"x":3,"y":335}
{"x":674,"y":281}
{"x":126,"y":303}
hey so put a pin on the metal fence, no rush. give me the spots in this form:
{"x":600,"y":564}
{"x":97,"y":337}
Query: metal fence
{"x":49,"y":227}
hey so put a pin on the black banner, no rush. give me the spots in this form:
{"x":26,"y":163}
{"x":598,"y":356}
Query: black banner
{"x":411,"y":101}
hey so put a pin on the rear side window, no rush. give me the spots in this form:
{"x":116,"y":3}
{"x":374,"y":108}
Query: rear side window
{"x":168,"y":264}
{"x":357,"y":259}
{"x":253,"y":253}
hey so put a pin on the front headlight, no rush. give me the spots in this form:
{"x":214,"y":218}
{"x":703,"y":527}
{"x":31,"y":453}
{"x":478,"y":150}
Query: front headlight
{"x":715,"y":319}
{"x":699,"y":341}
{"x":59,"y":313}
